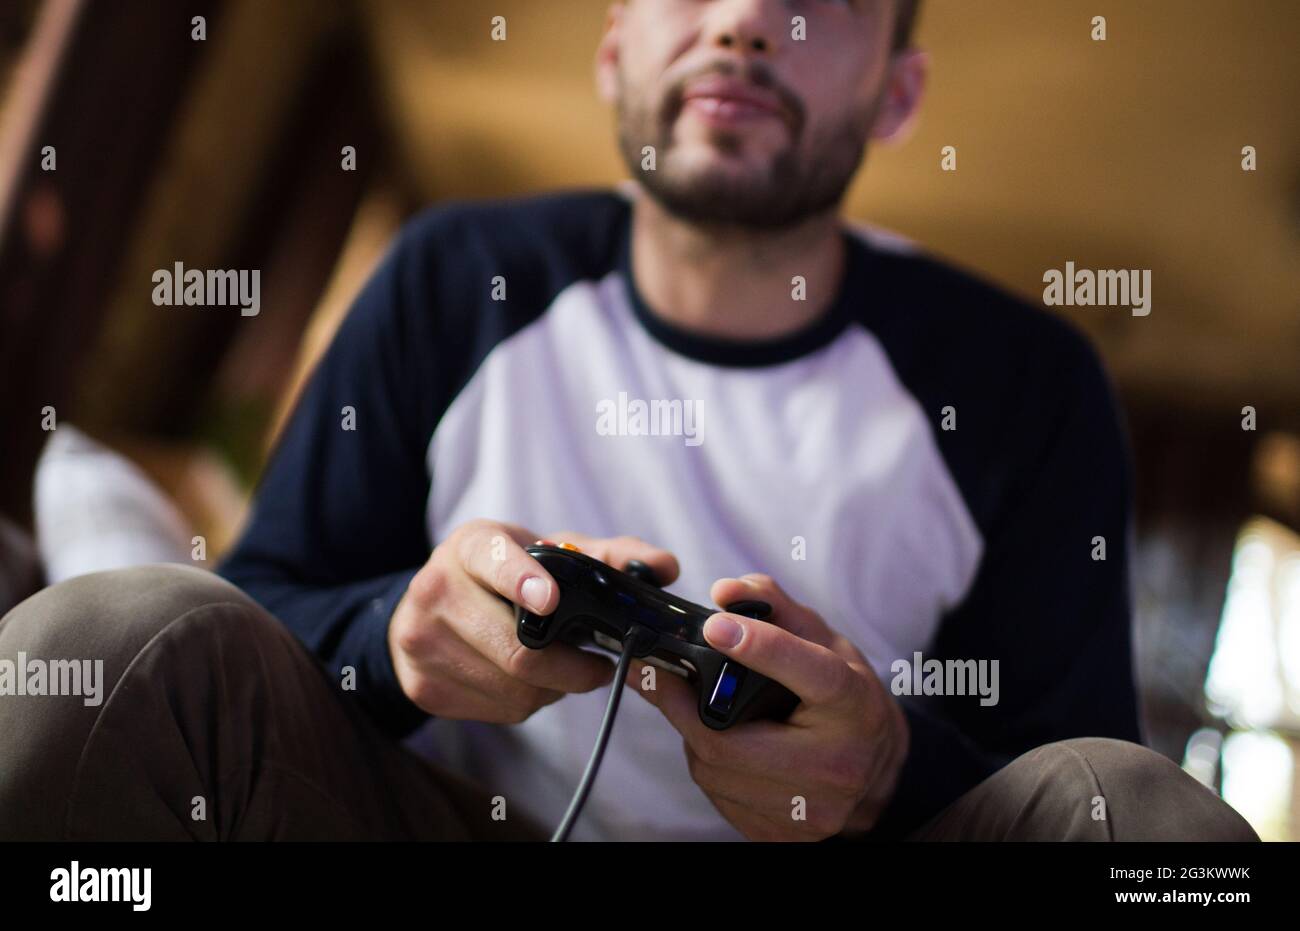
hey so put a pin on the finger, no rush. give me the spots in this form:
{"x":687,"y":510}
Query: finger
{"x":676,"y":699}
{"x":671,"y":694}
{"x":755,"y":827}
{"x":492,"y":554}
{"x":755,"y":746}
{"x":618,"y":551}
{"x":758,"y":793}
{"x":797,"y":812}
{"x":463,"y":668}
{"x":488,"y":626}
{"x":792,"y":811}
{"x":813,"y":672}
{"x":797,"y":618}
{"x":452,"y":700}
{"x":648,"y":679}
{"x":436,"y":684}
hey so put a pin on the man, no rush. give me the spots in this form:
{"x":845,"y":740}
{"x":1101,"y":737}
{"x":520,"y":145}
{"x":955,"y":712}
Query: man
{"x":899,"y":459}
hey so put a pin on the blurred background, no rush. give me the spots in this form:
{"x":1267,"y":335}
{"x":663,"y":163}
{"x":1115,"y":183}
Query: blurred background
{"x":225,"y":152}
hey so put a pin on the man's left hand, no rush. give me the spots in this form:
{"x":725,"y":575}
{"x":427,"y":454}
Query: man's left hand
{"x":841,"y":750}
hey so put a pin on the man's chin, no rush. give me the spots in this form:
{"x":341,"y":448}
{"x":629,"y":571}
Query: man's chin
{"x":729,"y":175}
{"x":723,"y":159}
{"x":711,"y":200}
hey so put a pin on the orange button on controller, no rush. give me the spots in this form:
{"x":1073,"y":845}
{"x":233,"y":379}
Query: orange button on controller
{"x":563,"y":546}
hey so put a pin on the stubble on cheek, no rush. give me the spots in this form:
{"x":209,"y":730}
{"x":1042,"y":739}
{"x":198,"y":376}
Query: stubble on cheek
{"x":639,"y":125}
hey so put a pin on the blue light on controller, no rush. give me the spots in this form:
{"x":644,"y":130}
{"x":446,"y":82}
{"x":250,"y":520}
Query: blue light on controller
{"x":725,"y":691}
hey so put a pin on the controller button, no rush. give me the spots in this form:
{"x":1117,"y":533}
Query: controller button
{"x":641,"y":572}
{"x":536,"y":626}
{"x":569,"y":546}
{"x":726,"y":688}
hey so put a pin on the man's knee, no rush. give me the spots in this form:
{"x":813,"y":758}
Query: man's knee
{"x":68,"y":647}
{"x":112,"y":614}
{"x":70,"y":644}
{"x":1136,"y":793}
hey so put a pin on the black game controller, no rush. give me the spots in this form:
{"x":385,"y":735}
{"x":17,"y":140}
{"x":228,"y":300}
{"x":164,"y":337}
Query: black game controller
{"x":602,"y":606}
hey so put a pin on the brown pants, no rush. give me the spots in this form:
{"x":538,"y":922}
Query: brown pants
{"x":213,"y":722}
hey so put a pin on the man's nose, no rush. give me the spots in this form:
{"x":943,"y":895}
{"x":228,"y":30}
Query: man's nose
{"x":749,"y":27}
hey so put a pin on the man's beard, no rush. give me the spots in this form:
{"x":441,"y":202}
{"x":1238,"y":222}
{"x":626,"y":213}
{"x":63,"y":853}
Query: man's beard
{"x":794,"y":188}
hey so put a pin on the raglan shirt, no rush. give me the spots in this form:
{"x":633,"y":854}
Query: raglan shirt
{"x":933,"y":466}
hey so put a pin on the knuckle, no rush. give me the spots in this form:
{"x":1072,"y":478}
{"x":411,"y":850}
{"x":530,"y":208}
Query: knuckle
{"x":707,"y":751}
{"x":416,"y":636}
{"x":521,"y":662}
{"x":456,"y":539}
{"x":428,"y":586}
{"x":469,"y":537}
{"x":428,"y":694}
{"x":839,"y":679}
{"x":526,"y":701}
{"x":694,"y":764}
{"x":845,"y":772}
{"x":409,"y":638}
{"x":700,"y":771}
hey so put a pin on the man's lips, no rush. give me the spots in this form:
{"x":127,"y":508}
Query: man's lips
{"x":721,"y":100}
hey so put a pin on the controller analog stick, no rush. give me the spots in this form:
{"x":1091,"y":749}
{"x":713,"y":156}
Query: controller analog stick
{"x":758,"y":610}
{"x":641,"y":572}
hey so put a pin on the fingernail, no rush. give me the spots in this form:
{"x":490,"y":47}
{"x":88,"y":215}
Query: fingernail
{"x":722,"y":632}
{"x":535,"y":591}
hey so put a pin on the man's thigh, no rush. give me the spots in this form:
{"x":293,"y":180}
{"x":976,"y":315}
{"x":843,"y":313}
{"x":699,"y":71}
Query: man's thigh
{"x":211,"y":722}
{"x":1089,"y":788}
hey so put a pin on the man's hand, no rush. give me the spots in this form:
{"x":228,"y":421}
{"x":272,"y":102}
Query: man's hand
{"x":840,"y":751}
{"x":453,"y":640}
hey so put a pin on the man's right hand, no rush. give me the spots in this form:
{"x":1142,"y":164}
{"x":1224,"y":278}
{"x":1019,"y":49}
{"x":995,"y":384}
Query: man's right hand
{"x":453,"y":640}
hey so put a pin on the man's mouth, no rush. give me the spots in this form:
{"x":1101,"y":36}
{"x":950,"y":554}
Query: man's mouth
{"x":726,"y":101}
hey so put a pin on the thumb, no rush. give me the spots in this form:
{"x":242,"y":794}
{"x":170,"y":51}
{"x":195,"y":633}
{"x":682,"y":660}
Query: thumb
{"x":787,"y":613}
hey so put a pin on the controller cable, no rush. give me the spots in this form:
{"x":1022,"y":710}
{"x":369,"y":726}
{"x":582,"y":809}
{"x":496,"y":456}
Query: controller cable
{"x":637,"y":641}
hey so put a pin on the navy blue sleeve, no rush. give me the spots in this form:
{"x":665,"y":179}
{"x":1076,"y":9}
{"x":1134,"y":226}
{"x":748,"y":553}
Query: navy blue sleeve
{"x":1042,"y":459}
{"x":337,"y":526}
